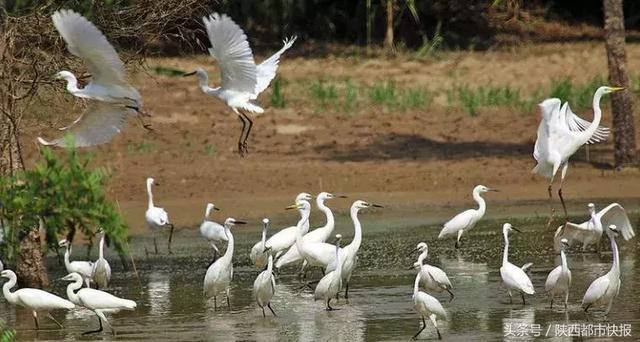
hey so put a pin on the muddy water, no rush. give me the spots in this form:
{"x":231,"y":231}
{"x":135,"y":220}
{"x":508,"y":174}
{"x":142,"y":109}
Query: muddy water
{"x":171,"y":306}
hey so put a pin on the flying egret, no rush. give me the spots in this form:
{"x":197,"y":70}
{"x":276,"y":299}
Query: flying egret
{"x":515,"y":278}
{"x":467,"y":219}
{"x":428,"y":306}
{"x":242,"y":80}
{"x":279,"y":241}
{"x":605,"y":289}
{"x":111,"y":97}
{"x":559,"y":279}
{"x":318,"y":235}
{"x":265,"y":285}
{"x":84,"y":268}
{"x":433,"y":278}
{"x":33,"y":299}
{"x":348,"y":254}
{"x":220,"y":273}
{"x":329,"y":286}
{"x":590,"y":232}
{"x":561,"y":133}
{"x":213,"y":232}
{"x":156,"y":217}
{"x":101,"y":272}
{"x":99,"y":302}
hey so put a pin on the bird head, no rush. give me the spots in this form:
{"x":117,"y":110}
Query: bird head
{"x":362,"y":204}
{"x":507,"y":227}
{"x":63,"y":243}
{"x":198,"y":72}
{"x":421,"y":247}
{"x":151,"y":181}
{"x":265,"y":224}
{"x":301,"y":205}
{"x":210,"y":207}
{"x":591,"y":207}
{"x":327,"y":195}
{"x":564,"y":243}
{"x":304,"y":196}
{"x":230,"y":222}
{"x":613,"y":230}
{"x":482,"y":189}
{"x":64,"y":75}
{"x":72,"y":277}
{"x":7,"y":274}
{"x":609,"y":90}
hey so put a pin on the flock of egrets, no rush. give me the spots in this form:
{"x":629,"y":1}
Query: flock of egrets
{"x":111,"y":100}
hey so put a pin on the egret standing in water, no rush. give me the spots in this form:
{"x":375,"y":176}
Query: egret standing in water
{"x":514,"y":277}
{"x":220,"y":273}
{"x":111,"y":97}
{"x":426,"y":306}
{"x":213,"y":232}
{"x":259,"y":254}
{"x":33,"y":299}
{"x":156,"y":218}
{"x":590,"y":232}
{"x":101,"y":272}
{"x":559,"y":279}
{"x":561,"y":133}
{"x":605,"y":289}
{"x":84,"y":268}
{"x":99,"y":302}
{"x":329,"y":286}
{"x":264,"y":287}
{"x":242,"y":80}
{"x":468,"y":218}
{"x":433,"y":278}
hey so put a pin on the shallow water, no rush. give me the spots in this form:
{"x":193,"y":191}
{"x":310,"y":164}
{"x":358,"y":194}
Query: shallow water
{"x":171,"y":306}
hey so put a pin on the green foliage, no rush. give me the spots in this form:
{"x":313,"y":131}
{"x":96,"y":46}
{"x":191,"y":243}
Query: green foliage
{"x":66,"y":194}
{"x":579,"y":96}
{"x":277,"y":98}
{"x":350,"y":96}
{"x":324,"y":93}
{"x":167,"y":71}
{"x":6,"y":334}
{"x":415,"y":98}
{"x":383,"y":93}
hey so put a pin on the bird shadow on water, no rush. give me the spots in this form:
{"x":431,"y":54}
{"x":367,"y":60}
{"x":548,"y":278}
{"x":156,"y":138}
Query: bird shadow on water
{"x":415,"y":147}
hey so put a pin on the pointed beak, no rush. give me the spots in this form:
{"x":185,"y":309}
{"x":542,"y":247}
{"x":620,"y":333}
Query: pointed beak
{"x":494,"y":190}
{"x":293,"y":206}
{"x":216,"y":209}
{"x":189,"y":74}
{"x":516,"y":229}
{"x":614,"y":89}
{"x":340,"y":196}
{"x":240,"y":222}
{"x":412,"y":251}
{"x":377,"y":206}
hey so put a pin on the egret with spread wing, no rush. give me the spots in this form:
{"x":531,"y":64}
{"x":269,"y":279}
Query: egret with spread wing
{"x":242,"y":80}
{"x":561,"y":133}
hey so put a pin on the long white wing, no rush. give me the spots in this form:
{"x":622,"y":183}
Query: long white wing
{"x":230,"y":48}
{"x":87,"y":42}
{"x":99,"y":123}
{"x":615,"y":214}
{"x":267,"y":69}
{"x":577,"y":124}
{"x":577,"y":232}
{"x":547,"y":114}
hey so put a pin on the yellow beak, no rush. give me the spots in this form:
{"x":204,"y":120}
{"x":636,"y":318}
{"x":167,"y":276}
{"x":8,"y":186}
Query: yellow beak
{"x":614,"y":89}
{"x":293,"y":206}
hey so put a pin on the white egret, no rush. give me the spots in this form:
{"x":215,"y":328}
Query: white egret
{"x":590,"y":232}
{"x":467,"y":219}
{"x":156,"y":217}
{"x":329,"y":286}
{"x":514,"y":278}
{"x":561,"y":133}
{"x":101,"y":272}
{"x":426,"y":306}
{"x":33,"y":299}
{"x":559,"y":279}
{"x":605,"y":289}
{"x":242,"y":80}
{"x":84,"y":268}
{"x":213,"y":232}
{"x":99,"y":302}
{"x":433,"y":278}
{"x":279,"y":241}
{"x":349,"y":254}
{"x":318,"y":235}
{"x":1,"y":266}
{"x":258,"y":254}
{"x":111,"y":97}
{"x":220,"y":273}
{"x":264,"y":287}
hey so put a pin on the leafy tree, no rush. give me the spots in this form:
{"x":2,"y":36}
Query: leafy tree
{"x":6,"y":334}
{"x":60,"y":195}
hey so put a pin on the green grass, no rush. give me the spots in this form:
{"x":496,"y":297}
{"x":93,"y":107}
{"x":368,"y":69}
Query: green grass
{"x":277,"y":98}
{"x":140,"y":147}
{"x":323,"y":93}
{"x":210,"y":150}
{"x":383,"y":93}
{"x":415,"y":98}
{"x":350,"y":97}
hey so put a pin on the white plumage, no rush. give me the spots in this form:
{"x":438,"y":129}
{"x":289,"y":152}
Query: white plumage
{"x":156,"y":217}
{"x":99,"y":302}
{"x":329,"y":286}
{"x":559,"y":279}
{"x":220,"y":273}
{"x":101,"y":272}
{"x":213,"y":232}
{"x":264,"y":287}
{"x":590,"y":232}
{"x":426,"y":306}
{"x":433,"y":278}
{"x":84,"y":268}
{"x":513,"y":277}
{"x":110,"y":96}
{"x":604,"y":290}
{"x":467,"y":219}
{"x":33,"y":299}
{"x":241,"y":79}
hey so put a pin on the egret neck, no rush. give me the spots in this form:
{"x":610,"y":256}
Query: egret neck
{"x":72,"y":288}
{"x":228,"y":254}
{"x":357,"y":238}
{"x":505,"y":258}
{"x":482,"y":205}
{"x":416,"y":286}
{"x":11,"y":297}
{"x":597,"y":116}
{"x":304,"y":219}
{"x":615,"y":267}
{"x":328,"y":214}
{"x":150,"y":194}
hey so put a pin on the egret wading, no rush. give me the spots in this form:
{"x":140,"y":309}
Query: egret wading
{"x":467,"y":219}
{"x":514,"y":278}
{"x":84,"y":268}
{"x":101,"y":272}
{"x":329,"y":286}
{"x":559,"y":279}
{"x":604,"y":290}
{"x":264,"y":287}
{"x":241,"y":79}
{"x":156,"y":218}
{"x":561,"y":133}
{"x":213,"y":232}
{"x":433,"y":278}
{"x":427,"y":306}
{"x":111,"y":99}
